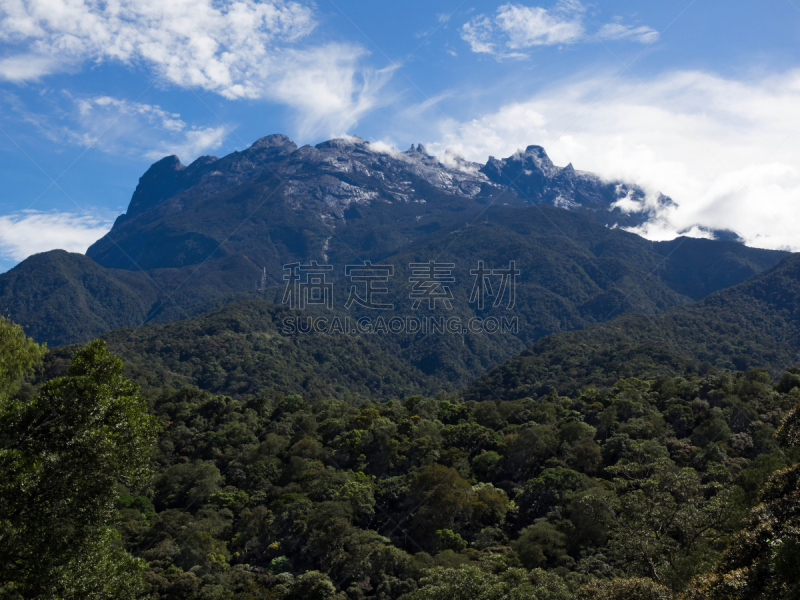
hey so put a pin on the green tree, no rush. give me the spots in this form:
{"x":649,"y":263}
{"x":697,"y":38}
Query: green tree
{"x":313,"y":585}
{"x":187,"y":485}
{"x":669,"y":522}
{"x":449,"y":540}
{"x":103,"y":570}
{"x":636,"y":588}
{"x":19,"y":355}
{"x":763,"y":560}
{"x":475,"y":583}
{"x":62,"y":455}
{"x":443,"y":497}
{"x":540,"y":544}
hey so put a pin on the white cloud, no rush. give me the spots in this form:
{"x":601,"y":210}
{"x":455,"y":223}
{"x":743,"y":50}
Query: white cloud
{"x":725,"y":150}
{"x":479,"y":34}
{"x":115,"y":107}
{"x":193,"y":43}
{"x":117,"y":126}
{"x":533,"y":26}
{"x":30,"y":232}
{"x":121,"y":126}
{"x":515,"y":27}
{"x":325,"y":87}
{"x":618,"y":31}
{"x":385,"y":147}
{"x":24,"y":67}
{"x":195,"y":143}
{"x":235,"y":48}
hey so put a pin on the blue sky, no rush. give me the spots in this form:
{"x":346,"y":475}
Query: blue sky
{"x":699,"y":100}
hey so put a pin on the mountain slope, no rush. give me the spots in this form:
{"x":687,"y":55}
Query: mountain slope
{"x":755,"y":324}
{"x":573,"y":272}
{"x":240,"y":349}
{"x":61,"y":297}
{"x":698,"y":267}
{"x":244,"y":348}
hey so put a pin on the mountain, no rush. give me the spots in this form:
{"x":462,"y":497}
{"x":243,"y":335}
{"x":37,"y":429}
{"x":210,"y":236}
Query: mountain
{"x":754,"y":324}
{"x":299,"y":460}
{"x":61,"y":297}
{"x":341,"y":199}
{"x":532,"y":177}
{"x":697,"y":267}
{"x":198,"y":237}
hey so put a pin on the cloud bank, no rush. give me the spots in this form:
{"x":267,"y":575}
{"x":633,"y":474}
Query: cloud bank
{"x":30,"y":232}
{"x":725,"y":150}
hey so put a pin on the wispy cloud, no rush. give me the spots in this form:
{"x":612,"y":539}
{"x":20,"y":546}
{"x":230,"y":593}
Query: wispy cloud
{"x":619,"y":31}
{"x":244,"y":49}
{"x":195,"y":143}
{"x":327,"y":90}
{"x":526,"y":26}
{"x":30,"y":232}
{"x":515,"y":28}
{"x":721,"y":148}
{"x":28,"y":66}
{"x":116,"y":126}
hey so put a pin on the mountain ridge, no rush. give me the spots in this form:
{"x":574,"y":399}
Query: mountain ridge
{"x":319,"y":191}
{"x":580,"y":272}
{"x":197,"y":237}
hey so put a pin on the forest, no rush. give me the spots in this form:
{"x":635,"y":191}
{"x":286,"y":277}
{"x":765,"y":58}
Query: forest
{"x":680,"y":485}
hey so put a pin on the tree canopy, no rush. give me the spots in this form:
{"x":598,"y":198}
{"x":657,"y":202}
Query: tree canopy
{"x":63,"y":453}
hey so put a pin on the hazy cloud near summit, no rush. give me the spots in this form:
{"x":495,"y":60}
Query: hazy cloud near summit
{"x":725,"y":150}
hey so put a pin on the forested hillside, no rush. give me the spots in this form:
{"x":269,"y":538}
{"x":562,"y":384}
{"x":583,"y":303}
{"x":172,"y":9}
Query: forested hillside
{"x":647,"y":488}
{"x":244,"y":348}
{"x":370,"y":496}
{"x":751,"y":325}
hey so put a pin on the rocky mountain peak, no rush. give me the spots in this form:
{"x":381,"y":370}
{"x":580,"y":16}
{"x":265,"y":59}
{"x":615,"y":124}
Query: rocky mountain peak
{"x":202,"y":161}
{"x":343,"y":143}
{"x":159,"y":182}
{"x":167,"y":164}
{"x":328,"y":179}
{"x":536,"y":151}
{"x":536,"y":156}
{"x":276,"y":140}
{"x":419,"y":149}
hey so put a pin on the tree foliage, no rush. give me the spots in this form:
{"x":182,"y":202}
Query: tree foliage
{"x":682,"y":486}
{"x":62,"y":455}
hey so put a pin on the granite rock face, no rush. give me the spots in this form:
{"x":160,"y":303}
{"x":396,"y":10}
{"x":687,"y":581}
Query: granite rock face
{"x":341,"y":197}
